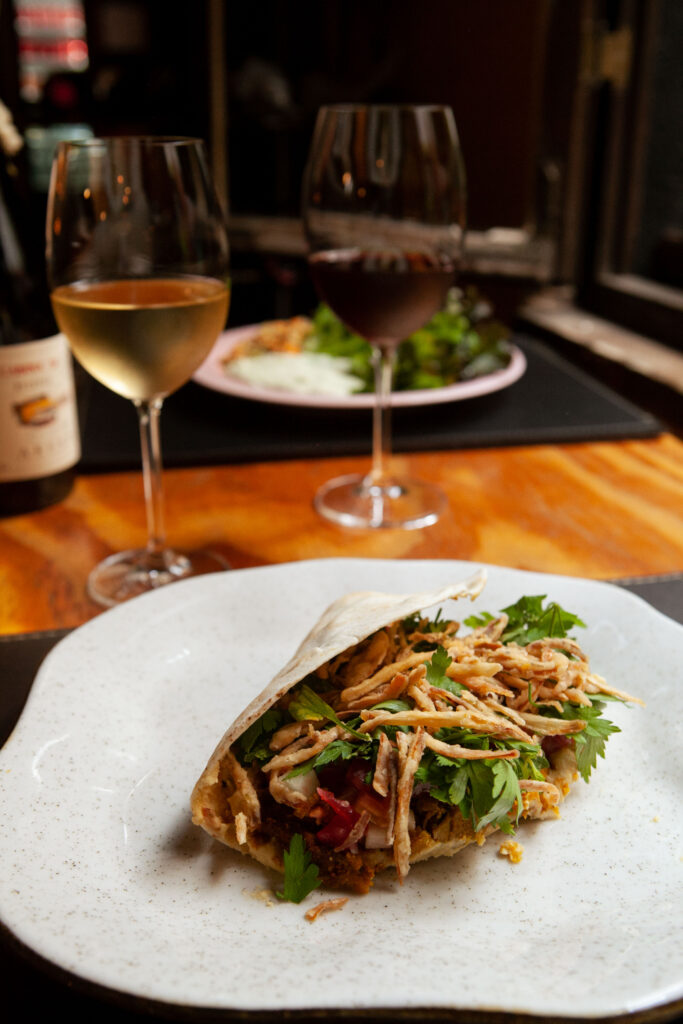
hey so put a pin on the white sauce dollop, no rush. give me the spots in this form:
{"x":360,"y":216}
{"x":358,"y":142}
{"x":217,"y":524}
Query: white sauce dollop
{"x":313,"y":373}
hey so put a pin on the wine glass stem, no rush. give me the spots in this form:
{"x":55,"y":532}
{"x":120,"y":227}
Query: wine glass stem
{"x":384,"y":358}
{"x":148,"y":418}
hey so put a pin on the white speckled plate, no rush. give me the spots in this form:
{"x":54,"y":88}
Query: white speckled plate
{"x":103,"y":874}
{"x":211,"y":374}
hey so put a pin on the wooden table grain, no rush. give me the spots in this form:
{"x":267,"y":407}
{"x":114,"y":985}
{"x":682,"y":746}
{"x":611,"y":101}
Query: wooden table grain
{"x":598,"y":510}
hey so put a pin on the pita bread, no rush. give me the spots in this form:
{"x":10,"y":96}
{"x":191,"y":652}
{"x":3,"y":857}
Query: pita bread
{"x":225,"y":801}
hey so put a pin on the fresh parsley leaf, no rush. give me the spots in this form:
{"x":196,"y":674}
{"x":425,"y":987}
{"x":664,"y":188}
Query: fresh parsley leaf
{"x":463,"y":737}
{"x":495,"y":787}
{"x":436,"y":668}
{"x":301,"y":874}
{"x":417,"y":621}
{"x":479,"y":620}
{"x":334,"y":751}
{"x":308,"y":705}
{"x":590,"y":743}
{"x":436,"y":671}
{"x":394,"y":706}
{"x":458,"y":786}
{"x":254,"y":741}
{"x":486,"y":790}
{"x":529,"y":620}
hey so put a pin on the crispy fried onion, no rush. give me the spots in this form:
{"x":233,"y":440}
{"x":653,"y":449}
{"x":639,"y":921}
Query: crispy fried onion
{"x":383,"y":766}
{"x":410,"y":752}
{"x":245,"y":798}
{"x":241,"y":827}
{"x":553,"y":726}
{"x":455,"y":751}
{"x":303,"y":749}
{"x":321,"y":908}
{"x":491,"y":688}
{"x":356,"y":833}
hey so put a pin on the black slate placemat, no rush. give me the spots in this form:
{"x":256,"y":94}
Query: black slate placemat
{"x":553,"y":402}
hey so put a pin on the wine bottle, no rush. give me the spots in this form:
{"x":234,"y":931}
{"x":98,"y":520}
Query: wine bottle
{"x":39,"y":437}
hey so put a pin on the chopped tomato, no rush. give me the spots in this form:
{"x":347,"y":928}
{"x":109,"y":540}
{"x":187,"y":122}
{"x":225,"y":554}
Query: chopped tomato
{"x":335,"y":832}
{"x":340,"y":807}
{"x":367,"y":799}
{"x":376,"y":806}
{"x":344,"y":817}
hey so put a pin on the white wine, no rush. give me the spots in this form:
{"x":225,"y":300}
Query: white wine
{"x":142,"y":337}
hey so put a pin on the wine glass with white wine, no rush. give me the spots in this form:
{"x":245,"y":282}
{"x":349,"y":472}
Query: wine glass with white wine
{"x":138,"y":264}
{"x":384,"y":212}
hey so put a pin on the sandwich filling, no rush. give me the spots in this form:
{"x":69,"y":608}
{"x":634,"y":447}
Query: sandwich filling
{"x":411,"y":744}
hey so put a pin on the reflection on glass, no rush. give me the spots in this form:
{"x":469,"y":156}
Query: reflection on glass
{"x":384,"y":212}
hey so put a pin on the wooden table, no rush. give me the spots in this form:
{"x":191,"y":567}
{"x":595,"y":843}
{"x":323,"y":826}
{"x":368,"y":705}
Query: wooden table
{"x":600,"y":510}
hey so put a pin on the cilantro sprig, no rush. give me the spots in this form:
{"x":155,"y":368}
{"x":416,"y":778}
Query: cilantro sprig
{"x":308,"y":704}
{"x":436,"y":671}
{"x":530,"y":620}
{"x":336,"y":750}
{"x":301,"y":874}
{"x":486,"y":791}
{"x":417,"y":621}
{"x":589,"y":744}
{"x":253,"y":743}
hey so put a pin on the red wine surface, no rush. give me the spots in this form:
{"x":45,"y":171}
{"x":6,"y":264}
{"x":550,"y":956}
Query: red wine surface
{"x":381,"y":296}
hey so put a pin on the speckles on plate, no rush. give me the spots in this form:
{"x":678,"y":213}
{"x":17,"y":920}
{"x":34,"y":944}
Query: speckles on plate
{"x":107,"y":877}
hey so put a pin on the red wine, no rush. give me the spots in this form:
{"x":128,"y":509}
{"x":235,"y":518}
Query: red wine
{"x":380,"y":295}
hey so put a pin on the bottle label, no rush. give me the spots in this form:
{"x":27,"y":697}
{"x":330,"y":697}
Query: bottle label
{"x":38,"y":418}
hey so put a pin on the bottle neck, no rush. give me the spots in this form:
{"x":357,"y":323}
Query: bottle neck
{"x":25,"y":311}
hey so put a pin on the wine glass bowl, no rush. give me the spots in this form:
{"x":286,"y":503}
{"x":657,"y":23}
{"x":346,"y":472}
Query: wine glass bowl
{"x":138,"y":263}
{"x":384,"y":212}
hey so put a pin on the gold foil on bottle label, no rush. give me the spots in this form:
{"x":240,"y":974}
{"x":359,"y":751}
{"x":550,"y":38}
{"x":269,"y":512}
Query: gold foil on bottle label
{"x":38,"y":419}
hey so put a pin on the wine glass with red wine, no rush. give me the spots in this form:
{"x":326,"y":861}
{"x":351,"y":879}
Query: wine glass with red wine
{"x":384,"y":211}
{"x":137,"y":257}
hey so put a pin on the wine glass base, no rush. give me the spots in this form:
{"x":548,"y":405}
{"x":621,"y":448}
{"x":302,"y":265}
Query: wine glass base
{"x":396,"y":504}
{"x":131,"y":573}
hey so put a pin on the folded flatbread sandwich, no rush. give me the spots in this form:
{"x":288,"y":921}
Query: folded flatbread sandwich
{"x":390,"y":738}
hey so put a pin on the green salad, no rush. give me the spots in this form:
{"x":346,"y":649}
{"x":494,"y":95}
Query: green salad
{"x":460,"y":342}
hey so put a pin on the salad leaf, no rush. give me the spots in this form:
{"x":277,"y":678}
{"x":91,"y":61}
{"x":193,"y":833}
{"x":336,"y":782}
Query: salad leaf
{"x":413,"y":622}
{"x":308,"y":704}
{"x":334,"y":751}
{"x":590,"y":743}
{"x":529,"y":620}
{"x":254,"y":740}
{"x":346,"y":749}
{"x":394,"y":705}
{"x":495,"y":788}
{"x":301,"y":874}
{"x":436,"y":671}
{"x":461,"y":341}
{"x":332,"y":337}
{"x":485,"y":791}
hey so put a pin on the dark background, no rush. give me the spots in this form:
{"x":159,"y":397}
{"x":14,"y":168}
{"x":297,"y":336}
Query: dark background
{"x":507,"y":69}
{"x":569,"y":113}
